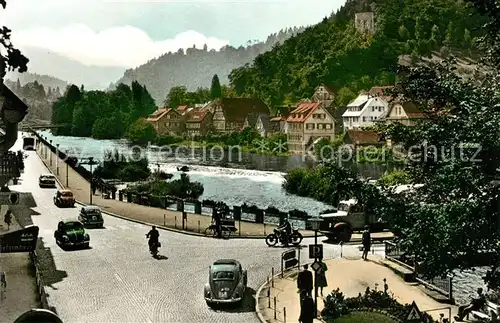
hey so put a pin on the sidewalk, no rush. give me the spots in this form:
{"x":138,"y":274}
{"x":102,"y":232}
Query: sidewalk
{"x":352,"y":277}
{"x":161,"y":217}
{"x":21,"y":292}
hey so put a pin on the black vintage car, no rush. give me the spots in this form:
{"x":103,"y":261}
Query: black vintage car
{"x":90,"y":215}
{"x":227,"y":282}
{"x":47,"y":180}
{"x":71,"y":233}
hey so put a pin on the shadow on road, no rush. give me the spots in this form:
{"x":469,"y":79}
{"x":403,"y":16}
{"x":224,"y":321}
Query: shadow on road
{"x":247,"y":305}
{"x":50,"y":274}
{"x":161,"y":257}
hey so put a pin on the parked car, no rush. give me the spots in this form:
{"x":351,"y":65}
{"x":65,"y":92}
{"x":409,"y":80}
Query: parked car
{"x":47,"y":180}
{"x":227,"y":282}
{"x":64,"y":198}
{"x":71,"y":233}
{"x":91,"y":216}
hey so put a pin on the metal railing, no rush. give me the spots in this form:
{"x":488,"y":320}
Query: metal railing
{"x":442,"y":285}
{"x":39,"y":281}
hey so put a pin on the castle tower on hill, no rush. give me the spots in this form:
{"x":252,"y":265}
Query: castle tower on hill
{"x":365,"y":22}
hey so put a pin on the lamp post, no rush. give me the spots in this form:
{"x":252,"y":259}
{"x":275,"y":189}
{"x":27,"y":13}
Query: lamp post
{"x":315,"y":225}
{"x":67,"y":168}
{"x":50,"y":156}
{"x":57,"y":158}
{"x":90,"y":162}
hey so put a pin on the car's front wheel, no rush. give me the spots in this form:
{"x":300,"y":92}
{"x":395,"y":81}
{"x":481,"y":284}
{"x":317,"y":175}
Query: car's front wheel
{"x":86,"y":246}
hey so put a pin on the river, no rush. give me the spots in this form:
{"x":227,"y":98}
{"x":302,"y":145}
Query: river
{"x":232,"y":185}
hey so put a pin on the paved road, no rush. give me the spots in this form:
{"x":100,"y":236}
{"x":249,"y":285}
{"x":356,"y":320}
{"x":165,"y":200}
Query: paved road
{"x":118,"y":281}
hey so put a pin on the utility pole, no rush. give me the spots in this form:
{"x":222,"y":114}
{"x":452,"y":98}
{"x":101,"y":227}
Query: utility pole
{"x":89,"y":162}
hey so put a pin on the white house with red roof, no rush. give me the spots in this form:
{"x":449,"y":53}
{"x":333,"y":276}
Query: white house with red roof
{"x":307,"y":123}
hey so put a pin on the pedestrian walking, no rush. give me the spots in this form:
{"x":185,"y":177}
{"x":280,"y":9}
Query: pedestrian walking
{"x":305,"y":281}
{"x":307,"y":308}
{"x":3,"y":285}
{"x":321,"y":276}
{"x":8,"y":219}
{"x":367,"y":242}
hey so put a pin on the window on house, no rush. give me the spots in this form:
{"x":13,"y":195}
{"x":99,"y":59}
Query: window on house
{"x":373,"y":109}
{"x":379,"y":109}
{"x":310,"y":126}
{"x":328,"y":126}
{"x":364,"y":119}
{"x":320,"y":126}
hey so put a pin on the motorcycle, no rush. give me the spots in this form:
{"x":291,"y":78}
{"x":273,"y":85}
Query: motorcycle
{"x":278,"y":236}
{"x":153,"y":248}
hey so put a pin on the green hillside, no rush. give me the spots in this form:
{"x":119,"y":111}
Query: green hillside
{"x":335,"y":53}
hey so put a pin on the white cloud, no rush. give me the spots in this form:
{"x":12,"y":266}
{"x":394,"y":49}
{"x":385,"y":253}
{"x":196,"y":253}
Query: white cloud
{"x":124,"y":46}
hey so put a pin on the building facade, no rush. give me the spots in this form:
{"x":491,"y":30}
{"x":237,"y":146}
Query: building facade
{"x":307,"y":123}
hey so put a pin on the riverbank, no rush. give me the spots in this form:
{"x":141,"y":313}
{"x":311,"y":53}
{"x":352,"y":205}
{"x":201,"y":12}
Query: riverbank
{"x":161,"y":217}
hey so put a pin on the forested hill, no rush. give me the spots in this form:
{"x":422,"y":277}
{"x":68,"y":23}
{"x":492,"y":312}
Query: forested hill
{"x":334,"y":52}
{"x":46,"y":80}
{"x":196,"y":67}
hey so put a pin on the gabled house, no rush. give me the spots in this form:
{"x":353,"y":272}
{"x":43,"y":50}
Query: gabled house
{"x":306,"y":123}
{"x":360,"y":138}
{"x":229,"y":114}
{"x":278,"y":124}
{"x":406,"y":113}
{"x":259,"y":122}
{"x":198,"y":122}
{"x":364,"y":111}
{"x":167,"y":121}
{"x":323,"y":93}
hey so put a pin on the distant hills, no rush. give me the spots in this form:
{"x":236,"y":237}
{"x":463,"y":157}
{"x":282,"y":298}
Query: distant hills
{"x":48,"y":63}
{"x":45,"y":80}
{"x":195,"y":67}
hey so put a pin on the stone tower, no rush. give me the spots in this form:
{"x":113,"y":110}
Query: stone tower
{"x":365,"y":22}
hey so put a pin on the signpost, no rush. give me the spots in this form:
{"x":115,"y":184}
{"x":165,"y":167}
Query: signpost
{"x":23,"y":240}
{"x":9,"y":198}
{"x":414,"y":315}
{"x":315,"y":251}
{"x":288,"y":260}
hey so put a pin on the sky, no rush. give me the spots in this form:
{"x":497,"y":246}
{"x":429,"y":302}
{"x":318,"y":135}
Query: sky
{"x":127,"y":33}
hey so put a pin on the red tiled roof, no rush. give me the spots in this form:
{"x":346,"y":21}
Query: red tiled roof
{"x":196,"y":115}
{"x":362,"y":137}
{"x":182,"y":108}
{"x":160,"y":112}
{"x":411,"y":110}
{"x":303,"y":111}
{"x":380,"y":92}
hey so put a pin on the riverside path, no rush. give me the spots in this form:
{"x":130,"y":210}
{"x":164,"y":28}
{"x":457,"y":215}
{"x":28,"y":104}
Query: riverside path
{"x":116,"y":280}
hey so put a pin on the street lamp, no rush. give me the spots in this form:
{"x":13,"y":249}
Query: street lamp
{"x":67,"y":168}
{"x":57,"y":157}
{"x":50,"y":156}
{"x":315,"y":225}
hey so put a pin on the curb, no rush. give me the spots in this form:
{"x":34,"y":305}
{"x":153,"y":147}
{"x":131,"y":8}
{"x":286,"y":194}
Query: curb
{"x":261,"y":287}
{"x":147,"y":223}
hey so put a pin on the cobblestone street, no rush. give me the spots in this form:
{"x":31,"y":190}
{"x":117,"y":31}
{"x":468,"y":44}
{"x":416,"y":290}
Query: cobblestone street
{"x":118,"y":281}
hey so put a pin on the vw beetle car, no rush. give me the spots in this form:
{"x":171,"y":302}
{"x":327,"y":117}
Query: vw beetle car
{"x":47,"y":180}
{"x":64,"y":198}
{"x":71,"y":233}
{"x":91,"y":216}
{"x":227,"y":282}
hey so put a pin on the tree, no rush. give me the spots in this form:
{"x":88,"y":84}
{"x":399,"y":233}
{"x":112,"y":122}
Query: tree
{"x":403,"y":33}
{"x":141,"y":131}
{"x":11,"y":58}
{"x":467,"y":42}
{"x":215,"y":89}
{"x":176,"y":96}
{"x":455,"y":214}
{"x":449,"y":37}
